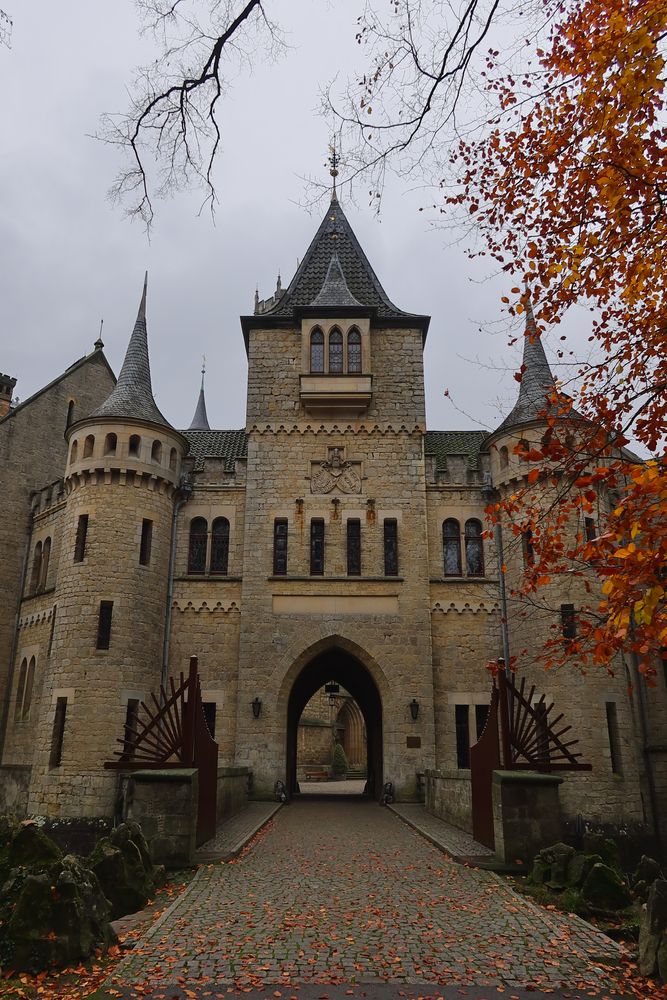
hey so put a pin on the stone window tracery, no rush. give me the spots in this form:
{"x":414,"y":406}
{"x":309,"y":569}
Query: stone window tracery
{"x":354,"y":351}
{"x":335,"y":352}
{"x":197,"y":545}
{"x":220,"y":546}
{"x":317,"y":351}
{"x":451,"y":547}
{"x":474,"y":548}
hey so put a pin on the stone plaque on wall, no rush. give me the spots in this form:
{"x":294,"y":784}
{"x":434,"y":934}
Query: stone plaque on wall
{"x":335,"y":474}
{"x":413,"y":742}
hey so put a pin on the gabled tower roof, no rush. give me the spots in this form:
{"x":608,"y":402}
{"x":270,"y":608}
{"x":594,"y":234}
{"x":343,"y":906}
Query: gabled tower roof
{"x":335,"y":254}
{"x":537,"y":381}
{"x":200,"y":419}
{"x":132,"y":396}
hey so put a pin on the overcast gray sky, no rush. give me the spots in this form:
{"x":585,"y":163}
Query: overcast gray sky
{"x":69,"y":258}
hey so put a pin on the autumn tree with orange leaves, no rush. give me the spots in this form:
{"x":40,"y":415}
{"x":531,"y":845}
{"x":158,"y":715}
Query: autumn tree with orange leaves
{"x":571,"y":197}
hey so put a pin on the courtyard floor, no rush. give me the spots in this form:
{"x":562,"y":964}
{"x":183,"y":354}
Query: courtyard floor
{"x":342,"y":892}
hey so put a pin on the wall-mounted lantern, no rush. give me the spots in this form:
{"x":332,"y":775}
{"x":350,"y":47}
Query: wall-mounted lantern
{"x":256,"y":707}
{"x":414,"y":709}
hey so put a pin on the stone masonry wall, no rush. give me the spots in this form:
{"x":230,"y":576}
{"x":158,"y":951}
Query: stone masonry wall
{"x":32,"y":454}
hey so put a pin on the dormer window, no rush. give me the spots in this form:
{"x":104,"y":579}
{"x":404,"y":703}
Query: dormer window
{"x":335,"y":352}
{"x":317,"y":351}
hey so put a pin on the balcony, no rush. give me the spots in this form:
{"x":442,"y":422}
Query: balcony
{"x":334,"y":395}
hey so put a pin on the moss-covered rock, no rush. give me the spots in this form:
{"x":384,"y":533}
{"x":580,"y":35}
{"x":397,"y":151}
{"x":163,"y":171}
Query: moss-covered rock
{"x":646,"y":872}
{"x":31,"y":846}
{"x":123,"y":865}
{"x":597,"y":843}
{"x":551,"y":864}
{"x":53,"y":916}
{"x":604,"y":890}
{"x":579,"y":867}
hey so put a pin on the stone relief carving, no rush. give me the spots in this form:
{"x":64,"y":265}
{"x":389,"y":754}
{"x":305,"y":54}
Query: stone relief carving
{"x":335,"y":473}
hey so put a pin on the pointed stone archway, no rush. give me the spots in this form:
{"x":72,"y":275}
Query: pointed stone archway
{"x":340,"y":664}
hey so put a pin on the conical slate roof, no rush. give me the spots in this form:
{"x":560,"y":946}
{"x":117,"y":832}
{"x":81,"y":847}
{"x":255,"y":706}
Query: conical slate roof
{"x":349,"y":277}
{"x":132,"y":396}
{"x":537,"y":381}
{"x":200,"y":419}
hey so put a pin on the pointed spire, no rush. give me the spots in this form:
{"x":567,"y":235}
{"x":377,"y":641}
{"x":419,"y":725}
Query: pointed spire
{"x":537,"y":381}
{"x":200,"y":419}
{"x":334,"y":291}
{"x":132,"y":396}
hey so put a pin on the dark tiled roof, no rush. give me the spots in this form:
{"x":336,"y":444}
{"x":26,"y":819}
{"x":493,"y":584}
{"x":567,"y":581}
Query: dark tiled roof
{"x":132,"y":396}
{"x":537,"y":381}
{"x":335,"y":236}
{"x":334,"y":291}
{"x":444,"y":443}
{"x":229,"y":445}
{"x":200,"y":419}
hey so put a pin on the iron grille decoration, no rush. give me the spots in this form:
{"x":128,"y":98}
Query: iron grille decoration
{"x":172,"y":733}
{"x":530,"y":738}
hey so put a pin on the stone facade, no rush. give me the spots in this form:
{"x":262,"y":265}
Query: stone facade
{"x":329,"y":564}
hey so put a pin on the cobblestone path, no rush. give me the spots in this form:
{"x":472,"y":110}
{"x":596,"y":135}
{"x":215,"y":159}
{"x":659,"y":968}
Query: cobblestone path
{"x":344,"y":892}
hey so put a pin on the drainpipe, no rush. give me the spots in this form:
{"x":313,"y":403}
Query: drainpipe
{"x":15,"y":637}
{"x":183,"y":494}
{"x":489,"y":495}
{"x":646,"y":746}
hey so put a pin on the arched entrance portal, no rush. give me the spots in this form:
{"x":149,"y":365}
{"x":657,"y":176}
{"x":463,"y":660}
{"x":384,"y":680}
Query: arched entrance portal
{"x":336,"y":664}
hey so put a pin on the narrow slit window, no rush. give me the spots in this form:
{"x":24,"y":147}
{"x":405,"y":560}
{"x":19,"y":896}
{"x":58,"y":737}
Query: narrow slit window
{"x":335,"y":351}
{"x":197,"y":545}
{"x":590,"y":529}
{"x":146,"y":542}
{"x":462,"y":723}
{"x":317,"y":547}
{"x":474,"y":547}
{"x":27,"y":694}
{"x":104,"y":624}
{"x":58,"y":733}
{"x":354,"y":352}
{"x":390,"y":547}
{"x":110,"y":444}
{"x":134,"y":445}
{"x":44,"y":565}
{"x":88,"y":446}
{"x":18,"y":707}
{"x":568,"y":621}
{"x":36,"y":567}
{"x":70,"y":413}
{"x":504,"y":457}
{"x":527,"y":547}
{"x":220,"y":546}
{"x":317,"y":351}
{"x":81,"y":536}
{"x":280,"y":546}
{"x":156,"y":452}
{"x":74,"y":453}
{"x":451,"y":547}
{"x":614,"y":737}
{"x":354,"y":547}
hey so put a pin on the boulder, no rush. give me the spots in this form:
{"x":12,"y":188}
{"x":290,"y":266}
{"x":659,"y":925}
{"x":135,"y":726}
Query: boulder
{"x":579,"y":867}
{"x":123,"y":865}
{"x":646,"y":872}
{"x":605,"y":890}
{"x":550,"y":866}
{"x":56,"y":916}
{"x":653,"y":931}
{"x":597,"y":843}
{"x":30,"y":847}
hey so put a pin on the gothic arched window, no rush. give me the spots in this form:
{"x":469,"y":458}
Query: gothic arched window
{"x":88,"y":446}
{"x":44,"y":567}
{"x":354,"y":351}
{"x":110,"y":444}
{"x":473,"y":546}
{"x":317,"y":351}
{"x":220,"y":545}
{"x":335,"y":351}
{"x":36,"y":568}
{"x":451,"y":547}
{"x":197,"y":546}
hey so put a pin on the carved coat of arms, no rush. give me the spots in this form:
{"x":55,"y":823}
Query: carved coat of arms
{"x":336,"y":474}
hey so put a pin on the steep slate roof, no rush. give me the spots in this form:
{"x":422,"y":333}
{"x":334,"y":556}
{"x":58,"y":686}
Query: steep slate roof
{"x":334,"y":291}
{"x":229,"y":445}
{"x":537,"y":382}
{"x":132,"y":396}
{"x":200,"y":419}
{"x":335,"y":238}
{"x":444,"y":443}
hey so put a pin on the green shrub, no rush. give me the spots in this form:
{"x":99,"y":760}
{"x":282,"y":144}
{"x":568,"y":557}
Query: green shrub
{"x":340,"y":765}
